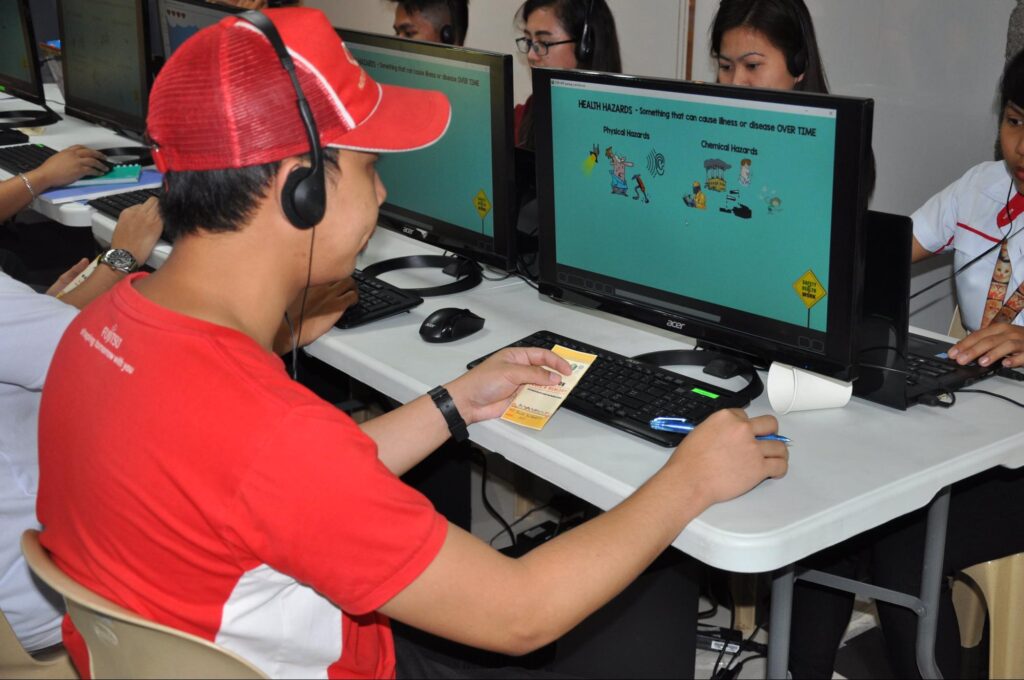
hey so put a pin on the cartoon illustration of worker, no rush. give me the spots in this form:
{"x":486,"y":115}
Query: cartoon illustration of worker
{"x":618,"y":171}
{"x":745,"y":172}
{"x":697,"y":199}
{"x":640,"y":189}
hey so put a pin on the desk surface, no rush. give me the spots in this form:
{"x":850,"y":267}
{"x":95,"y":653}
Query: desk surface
{"x":67,"y":132}
{"x":851,"y":469}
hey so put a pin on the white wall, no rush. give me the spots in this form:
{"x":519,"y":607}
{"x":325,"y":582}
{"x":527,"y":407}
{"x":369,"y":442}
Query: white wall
{"x":932,"y":67}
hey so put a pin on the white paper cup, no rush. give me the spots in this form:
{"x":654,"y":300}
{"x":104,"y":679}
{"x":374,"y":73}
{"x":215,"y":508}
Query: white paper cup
{"x":794,"y":389}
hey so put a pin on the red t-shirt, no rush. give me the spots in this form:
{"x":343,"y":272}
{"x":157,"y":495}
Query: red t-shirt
{"x":184,"y":476}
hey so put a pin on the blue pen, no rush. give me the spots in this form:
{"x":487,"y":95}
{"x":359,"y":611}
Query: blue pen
{"x":668,"y":424}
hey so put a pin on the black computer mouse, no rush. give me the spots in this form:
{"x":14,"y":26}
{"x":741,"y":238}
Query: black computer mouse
{"x":450,"y":323}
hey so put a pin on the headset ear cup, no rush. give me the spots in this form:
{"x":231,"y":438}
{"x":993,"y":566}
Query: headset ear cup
{"x":303,"y":198}
{"x":797,"y":64}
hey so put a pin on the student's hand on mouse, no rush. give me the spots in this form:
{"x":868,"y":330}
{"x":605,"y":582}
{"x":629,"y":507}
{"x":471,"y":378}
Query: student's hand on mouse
{"x":67,"y":277}
{"x":722,"y":459}
{"x":1000,"y":341}
{"x":486,"y":391}
{"x":67,"y":166}
{"x":138,"y":229}
{"x":325,"y":304}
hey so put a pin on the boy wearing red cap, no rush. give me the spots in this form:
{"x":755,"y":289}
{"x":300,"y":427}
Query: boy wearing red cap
{"x":196,"y":484}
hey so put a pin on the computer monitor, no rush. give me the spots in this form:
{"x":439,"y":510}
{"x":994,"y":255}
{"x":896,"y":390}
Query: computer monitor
{"x":730,"y":215}
{"x":459,"y":193}
{"x":19,"y":66}
{"x":105,"y":52}
{"x":181,"y":19}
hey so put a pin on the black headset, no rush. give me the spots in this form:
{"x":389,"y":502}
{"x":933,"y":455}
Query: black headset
{"x":585,"y":43}
{"x":304,"y":198}
{"x":448,"y":30}
{"x":796,"y":63}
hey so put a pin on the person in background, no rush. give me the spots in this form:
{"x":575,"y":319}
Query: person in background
{"x":564,"y":34}
{"x":769,"y":44}
{"x":438,"y":21}
{"x":31,"y":324}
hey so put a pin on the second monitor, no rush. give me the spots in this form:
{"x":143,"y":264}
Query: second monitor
{"x":459,"y":193}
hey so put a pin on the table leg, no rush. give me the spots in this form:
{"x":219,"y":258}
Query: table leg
{"x":931,"y":584}
{"x":779,"y":622}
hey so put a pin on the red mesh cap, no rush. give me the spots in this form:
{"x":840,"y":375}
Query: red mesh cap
{"x":223,"y":100}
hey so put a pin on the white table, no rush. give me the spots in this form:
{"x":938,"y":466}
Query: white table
{"x":851,"y":469}
{"x":67,"y":132}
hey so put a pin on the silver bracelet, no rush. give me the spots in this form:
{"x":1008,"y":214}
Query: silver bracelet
{"x":28,"y":185}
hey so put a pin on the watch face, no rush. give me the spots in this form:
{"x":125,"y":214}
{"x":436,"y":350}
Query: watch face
{"x":120,"y":260}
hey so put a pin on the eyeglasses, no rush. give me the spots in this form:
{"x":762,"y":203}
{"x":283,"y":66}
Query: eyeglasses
{"x":539,"y":47}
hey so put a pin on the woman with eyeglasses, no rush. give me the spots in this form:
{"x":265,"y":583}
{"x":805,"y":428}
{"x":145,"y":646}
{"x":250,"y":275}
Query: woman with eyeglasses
{"x":564,"y":34}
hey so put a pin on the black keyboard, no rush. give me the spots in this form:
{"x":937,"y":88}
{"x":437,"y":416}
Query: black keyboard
{"x":113,"y":204}
{"x":24,"y":157}
{"x":927,"y":370}
{"x":377,"y":299}
{"x":627,"y":394}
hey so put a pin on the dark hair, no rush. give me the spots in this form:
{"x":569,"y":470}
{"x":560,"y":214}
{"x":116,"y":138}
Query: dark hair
{"x":601,"y":34}
{"x":602,"y":55}
{"x":457,"y":12}
{"x":787,"y":24}
{"x":219,"y":200}
{"x":1011,"y":88}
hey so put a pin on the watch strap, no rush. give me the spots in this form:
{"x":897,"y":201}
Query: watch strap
{"x":445,"y":404}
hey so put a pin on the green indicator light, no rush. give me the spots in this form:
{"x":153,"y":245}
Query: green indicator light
{"x":705,"y":393}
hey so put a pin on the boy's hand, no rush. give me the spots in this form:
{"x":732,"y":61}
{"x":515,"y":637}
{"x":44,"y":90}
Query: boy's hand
{"x":486,"y":391}
{"x":138,"y":229}
{"x":721,"y":458}
{"x":325,"y":304}
{"x":989,"y":345}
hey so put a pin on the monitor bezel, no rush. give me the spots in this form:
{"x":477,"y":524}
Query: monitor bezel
{"x":498,"y":250}
{"x":226,"y":10}
{"x":92,"y":112}
{"x":759,"y":337}
{"x":31,"y":91}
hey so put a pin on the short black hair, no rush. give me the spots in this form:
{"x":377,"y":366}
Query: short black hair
{"x":787,"y":24}
{"x":1011,"y":89}
{"x":457,"y":11}
{"x":219,"y":200}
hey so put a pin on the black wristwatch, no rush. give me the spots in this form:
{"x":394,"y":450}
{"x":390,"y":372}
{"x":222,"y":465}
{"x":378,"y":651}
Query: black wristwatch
{"x":120,"y":260}
{"x":445,"y":403}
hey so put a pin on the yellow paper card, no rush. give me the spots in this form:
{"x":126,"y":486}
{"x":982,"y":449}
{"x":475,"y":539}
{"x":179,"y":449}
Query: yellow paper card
{"x":533,"y":405}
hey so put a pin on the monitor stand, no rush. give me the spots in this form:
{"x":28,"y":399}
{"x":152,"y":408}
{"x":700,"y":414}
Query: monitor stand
{"x":717,"y":364}
{"x":28,"y":118}
{"x":466,"y":272}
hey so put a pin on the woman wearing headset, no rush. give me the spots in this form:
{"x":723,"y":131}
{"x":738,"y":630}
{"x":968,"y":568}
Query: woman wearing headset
{"x":564,"y":34}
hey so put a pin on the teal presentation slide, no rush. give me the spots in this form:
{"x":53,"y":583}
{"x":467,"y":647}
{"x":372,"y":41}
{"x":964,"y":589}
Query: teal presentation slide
{"x":451,"y":180}
{"x":710,"y":198}
{"x":14,"y":56}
